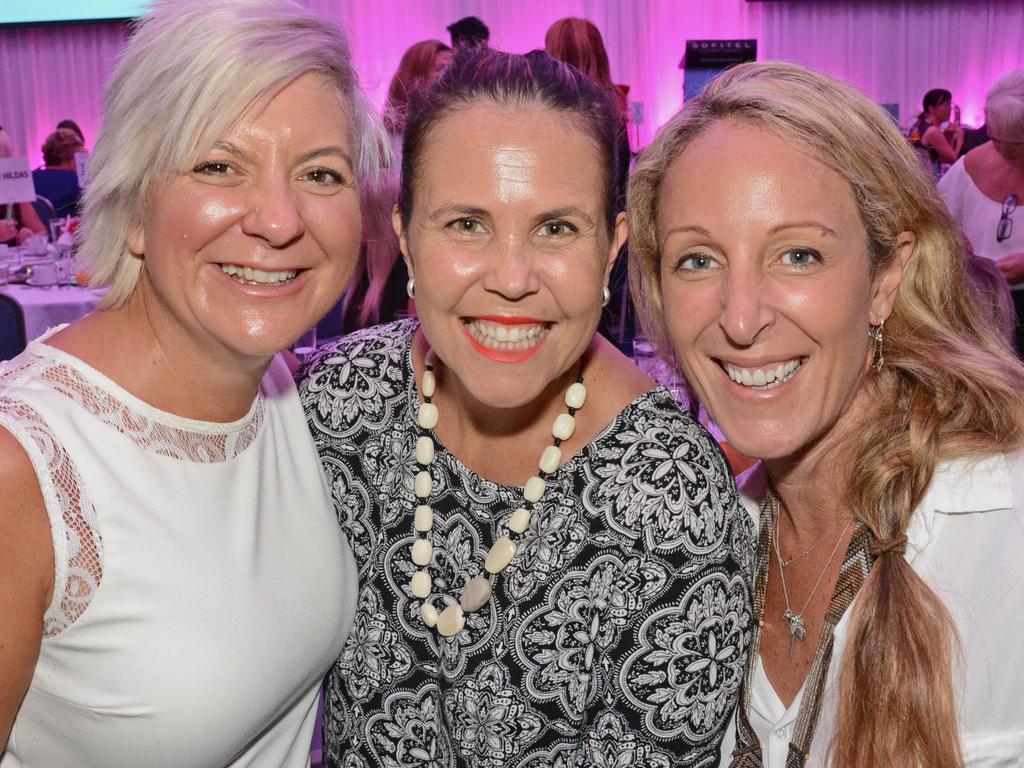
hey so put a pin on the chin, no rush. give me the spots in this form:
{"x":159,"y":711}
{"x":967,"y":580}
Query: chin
{"x":769,"y":441}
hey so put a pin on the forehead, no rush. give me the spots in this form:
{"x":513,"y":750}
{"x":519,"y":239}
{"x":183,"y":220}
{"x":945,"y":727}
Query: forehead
{"x":514,"y":153}
{"x":739,"y":173}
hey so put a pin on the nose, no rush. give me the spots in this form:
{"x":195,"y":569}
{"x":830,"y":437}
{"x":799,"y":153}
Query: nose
{"x":513,"y":270}
{"x":746,"y":310}
{"x":273,"y":213}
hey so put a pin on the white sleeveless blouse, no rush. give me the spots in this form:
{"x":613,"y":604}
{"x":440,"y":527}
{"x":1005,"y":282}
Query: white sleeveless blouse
{"x":202,"y":584}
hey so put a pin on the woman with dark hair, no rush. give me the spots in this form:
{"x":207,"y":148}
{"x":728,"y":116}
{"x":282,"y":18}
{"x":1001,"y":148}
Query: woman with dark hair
{"x":58,"y":181}
{"x":420,"y":66}
{"x":792,"y":252}
{"x":72,"y":126}
{"x":937,"y":140}
{"x":553,"y":565}
{"x":578,"y":42}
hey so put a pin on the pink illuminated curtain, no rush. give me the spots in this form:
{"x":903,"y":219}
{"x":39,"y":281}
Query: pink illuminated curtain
{"x":893,"y":49}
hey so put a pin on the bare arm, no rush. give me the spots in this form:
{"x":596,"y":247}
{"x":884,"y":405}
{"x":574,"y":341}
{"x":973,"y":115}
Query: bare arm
{"x":26,"y":577}
{"x":1012,"y":267}
{"x":935,"y":139}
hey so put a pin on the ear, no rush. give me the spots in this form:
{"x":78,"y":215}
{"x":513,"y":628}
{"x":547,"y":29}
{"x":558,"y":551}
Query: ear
{"x":886,"y":285}
{"x":137,"y":239}
{"x":403,"y":238}
{"x":619,"y":233}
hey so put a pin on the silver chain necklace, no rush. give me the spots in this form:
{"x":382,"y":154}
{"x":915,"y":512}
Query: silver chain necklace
{"x":797,"y":629}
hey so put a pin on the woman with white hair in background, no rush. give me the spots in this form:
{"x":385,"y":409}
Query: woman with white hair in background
{"x":985,"y":186}
{"x":173,"y":583}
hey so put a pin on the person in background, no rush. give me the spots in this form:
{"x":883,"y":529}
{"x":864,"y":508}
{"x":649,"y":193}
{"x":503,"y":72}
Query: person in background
{"x":985,"y":187}
{"x":469,"y":31}
{"x":71,"y":125}
{"x":992,"y":295}
{"x":377,"y":291}
{"x":58,"y":181}
{"x":578,"y":42}
{"x":937,"y":140}
{"x":18,"y":221}
{"x":420,"y":66}
{"x":553,"y":565}
{"x":796,"y":257}
{"x":6,"y":144}
{"x":173,"y":582}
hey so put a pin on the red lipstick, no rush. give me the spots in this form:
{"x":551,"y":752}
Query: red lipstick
{"x":505,"y":355}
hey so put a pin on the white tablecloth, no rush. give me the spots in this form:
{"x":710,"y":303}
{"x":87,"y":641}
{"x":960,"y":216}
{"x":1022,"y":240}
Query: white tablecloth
{"x":46,"y":307}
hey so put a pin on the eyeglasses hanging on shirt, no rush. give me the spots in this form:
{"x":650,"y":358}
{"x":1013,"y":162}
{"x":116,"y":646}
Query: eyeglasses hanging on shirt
{"x":1005,"y":226}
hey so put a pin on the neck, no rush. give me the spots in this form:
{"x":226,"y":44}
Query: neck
{"x":486,"y":438}
{"x":163,"y":364}
{"x":813,"y":484}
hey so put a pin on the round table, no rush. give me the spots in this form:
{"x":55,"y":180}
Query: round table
{"x":44,"y":308}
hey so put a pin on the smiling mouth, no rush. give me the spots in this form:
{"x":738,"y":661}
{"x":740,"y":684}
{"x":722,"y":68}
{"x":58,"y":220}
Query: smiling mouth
{"x":766,"y":377}
{"x":506,"y":337}
{"x":253,"y":276}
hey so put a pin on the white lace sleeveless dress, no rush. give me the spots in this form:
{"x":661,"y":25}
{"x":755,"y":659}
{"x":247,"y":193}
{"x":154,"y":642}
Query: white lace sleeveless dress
{"x":202,"y":583}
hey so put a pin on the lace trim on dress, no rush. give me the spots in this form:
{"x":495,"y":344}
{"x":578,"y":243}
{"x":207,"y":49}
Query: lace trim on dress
{"x":188,"y":440}
{"x":77,"y":545}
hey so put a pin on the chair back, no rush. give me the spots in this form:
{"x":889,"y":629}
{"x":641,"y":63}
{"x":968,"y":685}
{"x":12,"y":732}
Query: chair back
{"x":44,"y":210}
{"x":12,"y":328}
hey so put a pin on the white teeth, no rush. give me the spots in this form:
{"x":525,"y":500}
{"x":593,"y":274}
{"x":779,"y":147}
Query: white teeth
{"x":258,"y":276}
{"x":501,"y":336}
{"x":763,"y":378}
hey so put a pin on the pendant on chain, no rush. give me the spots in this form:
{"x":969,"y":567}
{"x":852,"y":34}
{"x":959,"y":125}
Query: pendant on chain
{"x":797,"y":631}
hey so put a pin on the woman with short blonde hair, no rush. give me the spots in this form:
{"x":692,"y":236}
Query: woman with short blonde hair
{"x":173,"y":582}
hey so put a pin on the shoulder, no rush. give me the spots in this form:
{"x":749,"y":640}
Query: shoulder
{"x":26,"y":544}
{"x":667,"y":431}
{"x":387,"y":342}
{"x":657,"y":474}
{"x":955,"y":176}
{"x":357,"y":378}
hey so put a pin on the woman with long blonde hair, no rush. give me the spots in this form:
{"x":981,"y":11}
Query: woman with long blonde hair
{"x":790,"y":250}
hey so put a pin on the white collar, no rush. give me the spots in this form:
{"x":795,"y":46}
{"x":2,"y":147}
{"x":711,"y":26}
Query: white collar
{"x":959,"y":486}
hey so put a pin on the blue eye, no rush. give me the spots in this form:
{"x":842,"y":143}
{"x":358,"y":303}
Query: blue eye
{"x":694,"y":262}
{"x":801,"y":257}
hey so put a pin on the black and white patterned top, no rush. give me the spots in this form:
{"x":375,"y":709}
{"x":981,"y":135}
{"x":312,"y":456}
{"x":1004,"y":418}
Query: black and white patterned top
{"x":617,"y":635}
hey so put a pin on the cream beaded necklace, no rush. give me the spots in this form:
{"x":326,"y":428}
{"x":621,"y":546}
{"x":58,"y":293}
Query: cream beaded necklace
{"x":477,"y":591}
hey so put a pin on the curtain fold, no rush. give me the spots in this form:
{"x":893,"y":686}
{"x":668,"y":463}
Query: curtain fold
{"x":895,"y":50}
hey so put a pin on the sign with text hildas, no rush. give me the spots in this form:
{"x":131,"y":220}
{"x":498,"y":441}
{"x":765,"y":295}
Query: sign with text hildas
{"x":16,"y":181}
{"x":705,"y":60}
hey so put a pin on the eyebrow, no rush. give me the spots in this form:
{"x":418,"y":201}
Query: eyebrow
{"x":686,"y":228}
{"x":803,"y":225}
{"x":561,"y":213}
{"x":329,"y":150}
{"x":699,"y":230}
{"x":461,"y":210}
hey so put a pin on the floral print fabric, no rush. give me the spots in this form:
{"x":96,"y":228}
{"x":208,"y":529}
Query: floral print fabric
{"x":617,"y":635}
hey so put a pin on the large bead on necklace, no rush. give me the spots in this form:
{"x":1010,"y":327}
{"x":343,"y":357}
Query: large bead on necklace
{"x":475,"y":594}
{"x":451,"y":621}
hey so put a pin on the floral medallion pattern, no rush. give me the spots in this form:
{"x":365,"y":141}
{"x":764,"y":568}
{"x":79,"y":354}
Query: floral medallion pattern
{"x":687,"y":656}
{"x":615,"y":638}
